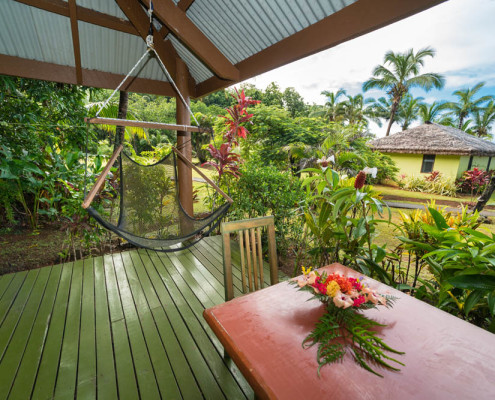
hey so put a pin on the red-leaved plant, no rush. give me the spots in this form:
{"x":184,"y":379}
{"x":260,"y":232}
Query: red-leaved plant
{"x":224,"y":160}
{"x":237,"y":115}
{"x":433,"y":176}
{"x":473,"y":181}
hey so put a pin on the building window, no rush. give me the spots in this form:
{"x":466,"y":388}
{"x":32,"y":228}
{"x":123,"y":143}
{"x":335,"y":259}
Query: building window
{"x":428,"y":161}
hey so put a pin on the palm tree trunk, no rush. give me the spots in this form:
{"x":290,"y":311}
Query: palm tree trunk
{"x":395,"y":105}
{"x":461,"y":120}
{"x":486,"y":195}
{"x":122,"y":114}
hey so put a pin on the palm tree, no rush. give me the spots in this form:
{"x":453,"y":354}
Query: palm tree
{"x":408,"y":110}
{"x":399,"y":73}
{"x":381,"y":109}
{"x":432,"y":112}
{"x":357,"y":109}
{"x":466,"y":104}
{"x":333,"y":106}
{"x":483,"y":119}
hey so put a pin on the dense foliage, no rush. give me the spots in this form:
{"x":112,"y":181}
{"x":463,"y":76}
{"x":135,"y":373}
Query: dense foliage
{"x":265,"y":190}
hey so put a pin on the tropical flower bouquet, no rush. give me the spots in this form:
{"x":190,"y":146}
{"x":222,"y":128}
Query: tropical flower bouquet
{"x":343,"y":328}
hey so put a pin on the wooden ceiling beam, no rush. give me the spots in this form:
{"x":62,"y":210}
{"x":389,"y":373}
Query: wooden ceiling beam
{"x":184,"y":29}
{"x":75,"y":40}
{"x":84,"y":14}
{"x":139,"y":18}
{"x":25,"y":68}
{"x":359,"y":18}
{"x":184,"y":6}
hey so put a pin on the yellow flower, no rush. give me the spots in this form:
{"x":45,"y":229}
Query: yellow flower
{"x":332,"y":289}
{"x":306,"y":271}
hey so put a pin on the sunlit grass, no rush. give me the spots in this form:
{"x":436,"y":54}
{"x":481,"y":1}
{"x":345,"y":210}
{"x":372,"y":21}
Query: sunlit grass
{"x":424,"y":197}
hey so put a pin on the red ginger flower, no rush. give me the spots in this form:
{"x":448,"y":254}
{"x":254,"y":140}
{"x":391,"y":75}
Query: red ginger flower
{"x":360,"y":180}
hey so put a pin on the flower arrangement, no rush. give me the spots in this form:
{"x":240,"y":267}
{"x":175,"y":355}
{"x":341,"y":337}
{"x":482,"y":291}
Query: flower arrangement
{"x":343,"y":327}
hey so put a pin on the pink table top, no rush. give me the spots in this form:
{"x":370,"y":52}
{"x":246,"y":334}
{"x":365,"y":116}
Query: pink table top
{"x":446,"y":358}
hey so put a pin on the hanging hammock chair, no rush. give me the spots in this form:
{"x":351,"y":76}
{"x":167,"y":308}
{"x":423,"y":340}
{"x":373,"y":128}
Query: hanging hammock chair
{"x":149,"y":212}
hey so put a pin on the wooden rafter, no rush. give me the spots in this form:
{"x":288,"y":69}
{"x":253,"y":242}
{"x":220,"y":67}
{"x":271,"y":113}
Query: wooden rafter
{"x":184,"y":6}
{"x":184,"y":29}
{"x":352,"y":21}
{"x":16,"y":66}
{"x":84,"y":14}
{"x":75,"y":40}
{"x":138,"y":17}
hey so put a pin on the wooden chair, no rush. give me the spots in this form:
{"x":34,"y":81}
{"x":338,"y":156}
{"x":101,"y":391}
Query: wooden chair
{"x":249,"y":236}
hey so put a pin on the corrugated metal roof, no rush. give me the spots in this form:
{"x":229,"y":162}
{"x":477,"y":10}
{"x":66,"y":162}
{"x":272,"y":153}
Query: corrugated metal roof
{"x":239,"y":29}
{"x":35,"y":34}
{"x":197,"y":69}
{"x":249,"y":27}
{"x":108,"y":50}
{"x":105,"y":6}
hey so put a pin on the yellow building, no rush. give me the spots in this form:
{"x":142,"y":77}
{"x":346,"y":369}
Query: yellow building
{"x":432,"y":147}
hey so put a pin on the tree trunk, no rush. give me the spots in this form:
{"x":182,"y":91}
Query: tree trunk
{"x":395,"y":105}
{"x":122,"y":114}
{"x":486,"y":195}
{"x":461,"y":120}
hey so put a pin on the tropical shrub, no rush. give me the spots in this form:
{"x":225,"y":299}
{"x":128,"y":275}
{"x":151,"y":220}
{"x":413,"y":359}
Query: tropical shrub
{"x":460,"y":263}
{"x":473,"y":181}
{"x":434,"y":183}
{"x":341,"y":215}
{"x":265,"y":190}
{"x":405,"y":263}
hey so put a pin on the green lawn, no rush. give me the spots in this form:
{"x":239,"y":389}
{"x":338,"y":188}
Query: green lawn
{"x":424,"y":197}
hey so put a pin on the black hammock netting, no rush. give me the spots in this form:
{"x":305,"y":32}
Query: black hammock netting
{"x":149,"y":213}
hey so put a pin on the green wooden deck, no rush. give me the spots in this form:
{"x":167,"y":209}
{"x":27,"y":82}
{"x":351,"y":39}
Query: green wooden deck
{"x":127,"y":325}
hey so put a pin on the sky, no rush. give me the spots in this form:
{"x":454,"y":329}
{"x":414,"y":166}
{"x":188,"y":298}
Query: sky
{"x":461,"y":31}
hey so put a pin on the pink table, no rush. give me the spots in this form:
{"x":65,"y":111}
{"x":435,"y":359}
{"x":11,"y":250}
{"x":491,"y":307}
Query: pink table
{"x":446,"y":358}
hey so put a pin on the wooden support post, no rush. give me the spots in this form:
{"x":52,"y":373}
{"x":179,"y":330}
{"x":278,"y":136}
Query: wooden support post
{"x":184,"y":139}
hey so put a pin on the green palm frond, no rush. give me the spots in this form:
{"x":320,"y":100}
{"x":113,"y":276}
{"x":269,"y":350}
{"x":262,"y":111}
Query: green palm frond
{"x":111,"y":111}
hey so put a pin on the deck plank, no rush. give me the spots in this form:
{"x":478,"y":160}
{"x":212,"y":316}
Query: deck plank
{"x":183,"y":297}
{"x":210,"y":292}
{"x":5,"y":281}
{"x":127,"y":326}
{"x":158,"y":356}
{"x":11,"y":294}
{"x":126,"y":375}
{"x":182,"y":371}
{"x":26,"y":374}
{"x":191,"y":308}
{"x":15,"y":312}
{"x":106,"y":376}
{"x":178,"y":312}
{"x":86,"y":371}
{"x":15,"y":350}
{"x":67,"y":373}
{"x":145,"y":374}
{"x":211,"y":265}
{"x":47,"y":373}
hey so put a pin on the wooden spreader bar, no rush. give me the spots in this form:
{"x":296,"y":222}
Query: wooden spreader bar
{"x":213,"y":184}
{"x":101,"y":179}
{"x":145,"y":124}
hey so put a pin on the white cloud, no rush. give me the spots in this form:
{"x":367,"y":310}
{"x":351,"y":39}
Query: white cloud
{"x":462,"y":32}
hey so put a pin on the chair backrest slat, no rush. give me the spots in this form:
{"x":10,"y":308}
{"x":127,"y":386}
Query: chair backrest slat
{"x":255,"y":259}
{"x":260,"y":258}
{"x":248,"y":258}
{"x":243,"y":264}
{"x":251,"y":253}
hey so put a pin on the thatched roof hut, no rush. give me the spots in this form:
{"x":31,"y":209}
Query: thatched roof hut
{"x":431,"y":138}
